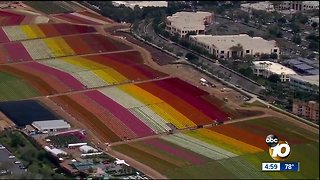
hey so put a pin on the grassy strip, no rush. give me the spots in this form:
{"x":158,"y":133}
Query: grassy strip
{"x":49,"y":7}
{"x":12,"y":88}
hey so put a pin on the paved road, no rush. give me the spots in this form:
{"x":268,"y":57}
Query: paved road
{"x":6,"y":163}
{"x":146,"y":29}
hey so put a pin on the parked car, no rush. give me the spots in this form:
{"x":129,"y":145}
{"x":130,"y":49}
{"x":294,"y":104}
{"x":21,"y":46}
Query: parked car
{"x":12,"y":157}
{"x":22,"y":167}
{"x":17,"y":162}
{"x":2,"y":147}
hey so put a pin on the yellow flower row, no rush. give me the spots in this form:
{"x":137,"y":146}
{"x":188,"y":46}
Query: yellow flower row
{"x":58,"y":47}
{"x":224,"y":141}
{"x":107,"y":74}
{"x":167,"y":112}
{"x":32,"y":31}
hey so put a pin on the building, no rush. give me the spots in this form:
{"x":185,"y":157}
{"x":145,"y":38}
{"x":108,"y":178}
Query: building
{"x":267,"y":68}
{"x":50,"y":125}
{"x":297,"y":5}
{"x":227,"y":46}
{"x":183,"y":23}
{"x":262,"y":6}
{"x":307,"y":110}
{"x":141,"y":4}
{"x":56,"y":152}
{"x":306,"y":83}
{"x":314,"y":20}
{"x":304,"y":66}
{"x":87,"y":149}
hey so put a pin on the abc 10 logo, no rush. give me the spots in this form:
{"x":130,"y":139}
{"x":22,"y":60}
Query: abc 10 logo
{"x":278,"y":150}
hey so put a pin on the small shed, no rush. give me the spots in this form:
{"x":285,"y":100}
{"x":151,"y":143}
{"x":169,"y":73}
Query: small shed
{"x":87,"y":149}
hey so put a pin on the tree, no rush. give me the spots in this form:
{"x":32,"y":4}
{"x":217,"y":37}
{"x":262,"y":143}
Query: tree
{"x":191,"y":56}
{"x":275,"y":31}
{"x":179,"y":54}
{"x":314,"y":24}
{"x":273,"y":56}
{"x":246,"y":71}
{"x":185,"y":43}
{"x":175,"y":37}
{"x":274,"y":78}
{"x":314,"y":46}
{"x":248,"y":57}
{"x":296,"y":39}
{"x":250,"y":33}
{"x":295,"y":27}
{"x":282,"y":20}
{"x":264,"y":56}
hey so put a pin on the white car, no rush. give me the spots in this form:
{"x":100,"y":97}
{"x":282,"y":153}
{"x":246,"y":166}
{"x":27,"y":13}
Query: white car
{"x":17,"y":162}
{"x":12,"y":157}
{"x":2,"y":147}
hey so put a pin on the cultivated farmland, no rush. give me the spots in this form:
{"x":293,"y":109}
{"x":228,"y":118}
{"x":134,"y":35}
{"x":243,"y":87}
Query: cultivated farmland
{"x":84,"y":17}
{"x":48,"y":48}
{"x":13,"y":88}
{"x":26,"y":32}
{"x":119,"y":96}
{"x":225,"y":151}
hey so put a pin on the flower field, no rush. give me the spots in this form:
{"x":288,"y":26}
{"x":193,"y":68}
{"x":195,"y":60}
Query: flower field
{"x":47,"y":80}
{"x":109,"y":89}
{"x":78,"y":73}
{"x":84,"y":17}
{"x":226,"y":151}
{"x":9,"y":18}
{"x":25,"y":32}
{"x":136,"y":110}
{"x":12,"y":17}
{"x":106,"y":69}
{"x":58,"y":47}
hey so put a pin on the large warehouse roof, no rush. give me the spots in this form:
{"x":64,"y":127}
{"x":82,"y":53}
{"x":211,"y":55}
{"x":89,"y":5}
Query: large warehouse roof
{"x":188,"y":20}
{"x":51,"y":124}
{"x":314,"y":79}
{"x":227,"y":41}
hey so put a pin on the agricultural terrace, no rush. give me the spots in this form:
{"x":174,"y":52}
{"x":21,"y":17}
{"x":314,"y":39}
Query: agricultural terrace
{"x":227,"y":151}
{"x":48,"y":48}
{"x":45,"y":79}
{"x":138,"y":110}
{"x":35,"y":31}
{"x":14,"y":17}
{"x":50,"y":7}
{"x":13,"y":88}
{"x":25,"y":112}
{"x":106,"y":69}
{"x":75,"y":73}
{"x":85,"y":17}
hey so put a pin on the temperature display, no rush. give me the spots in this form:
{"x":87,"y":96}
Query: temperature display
{"x":283,"y":166}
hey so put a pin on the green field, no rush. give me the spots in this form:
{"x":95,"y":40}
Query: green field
{"x":49,"y":7}
{"x":13,"y":88}
{"x":304,"y":149}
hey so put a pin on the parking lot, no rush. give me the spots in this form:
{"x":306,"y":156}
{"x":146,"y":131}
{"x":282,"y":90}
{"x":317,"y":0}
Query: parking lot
{"x":8,"y":164}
